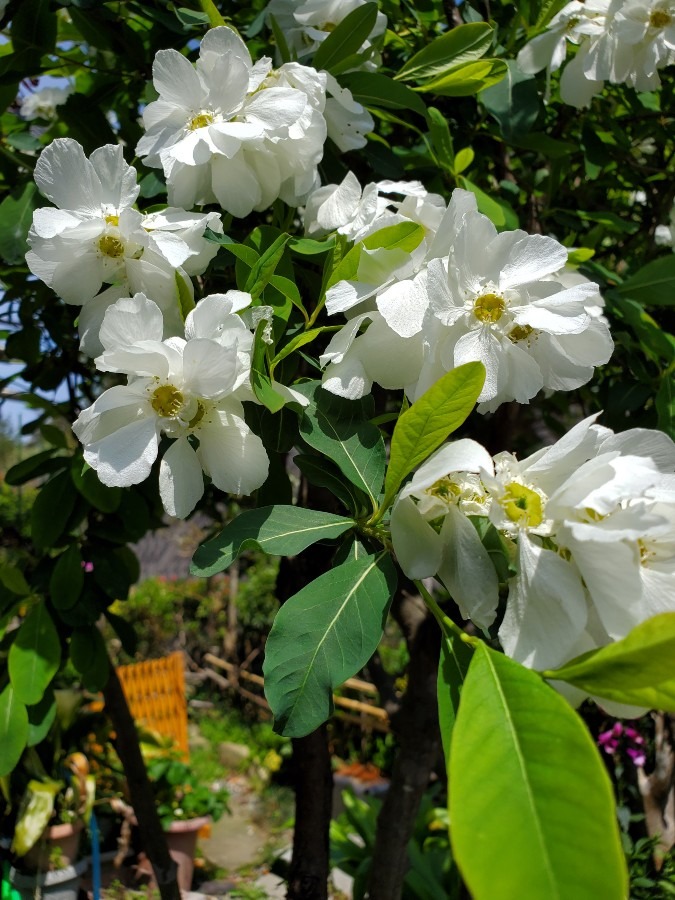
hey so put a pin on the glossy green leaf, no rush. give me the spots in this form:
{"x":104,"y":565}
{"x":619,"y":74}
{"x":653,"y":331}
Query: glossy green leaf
{"x":531,"y":804}
{"x":16,"y":215}
{"x":665,"y":405}
{"x":339,"y":429}
{"x":320,"y":472}
{"x":500,"y":213}
{"x":373,"y":89}
{"x":637,"y":669}
{"x":191,"y":18}
{"x":347,"y":37}
{"x":106,"y":499}
{"x":261,"y":381}
{"x":33,"y":26}
{"x":436,"y":414}
{"x":300,"y":340}
{"x":441,"y":140}
{"x":14,"y":580}
{"x":323,"y":635}
{"x":13,"y":729}
{"x":67,"y":579}
{"x":280,"y":530}
{"x":51,"y":510}
{"x":29,"y":468}
{"x":90,"y":657}
{"x":456,"y":656}
{"x":467,"y":79}
{"x":266,"y":266}
{"x":41,"y":718}
{"x":514,"y":102}
{"x":653,"y":284}
{"x":460,"y":45}
{"x":34,"y":656}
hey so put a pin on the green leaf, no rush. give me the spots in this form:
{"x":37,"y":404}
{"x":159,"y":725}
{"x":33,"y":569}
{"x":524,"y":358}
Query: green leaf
{"x":34,"y":656}
{"x":14,"y":580}
{"x":656,"y":343}
{"x":500,"y":213}
{"x":323,"y":635}
{"x":280,"y":530}
{"x":67,"y":579}
{"x":260,"y":380}
{"x":441,"y":140}
{"x":300,"y":340}
{"x":406,"y":236}
{"x":106,"y":499}
{"x":16,"y":215}
{"x":531,"y":804}
{"x":466,"y":79}
{"x":310,"y":247}
{"x":41,"y":718}
{"x":653,"y":284}
{"x":456,"y":656}
{"x":13,"y":729}
{"x":514,"y":102}
{"x":280,"y":40}
{"x":347,"y":37}
{"x":33,"y":27}
{"x":53,"y":505}
{"x":29,"y":468}
{"x":373,"y":89}
{"x":265,"y":267}
{"x":37,"y":808}
{"x":637,"y":669}
{"x":463,"y":44}
{"x":318,"y":470}
{"x":437,"y":413}
{"x":340,"y":430}
{"x":90,"y":657}
{"x":665,"y":405}
{"x":191,"y":18}
{"x":186,"y":300}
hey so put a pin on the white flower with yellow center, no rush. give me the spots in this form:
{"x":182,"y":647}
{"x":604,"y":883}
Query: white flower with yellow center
{"x":229,"y":131}
{"x":185,"y":389}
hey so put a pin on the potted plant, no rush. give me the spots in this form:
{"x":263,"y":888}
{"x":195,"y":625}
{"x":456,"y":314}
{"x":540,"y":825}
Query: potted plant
{"x":57,"y":794}
{"x":186,"y":806}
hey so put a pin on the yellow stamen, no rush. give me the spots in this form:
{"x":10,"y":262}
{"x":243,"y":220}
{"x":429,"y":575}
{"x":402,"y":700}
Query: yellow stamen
{"x":198,"y":416}
{"x":520,"y":333}
{"x":112,"y":220}
{"x":489,"y":308}
{"x":200,"y":121}
{"x":111,"y":246}
{"x":444,"y":489}
{"x":523,"y":505}
{"x":166,"y":400}
{"x":659,"y":18}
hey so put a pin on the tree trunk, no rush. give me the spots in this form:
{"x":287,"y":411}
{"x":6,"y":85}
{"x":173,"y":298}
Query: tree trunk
{"x":140,"y":789}
{"x":416,"y":726}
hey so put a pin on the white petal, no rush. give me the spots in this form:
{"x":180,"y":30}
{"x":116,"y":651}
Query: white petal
{"x":403,"y":306}
{"x":67,"y":178}
{"x":232,"y":455}
{"x":181,"y":483}
{"x":417,"y":546}
{"x":464,"y":455}
{"x":177,"y":81}
{"x":466,"y":570}
{"x":235,"y":185}
{"x":130,"y":320}
{"x":125,"y":452}
{"x":529,"y":259}
{"x":48,"y":222}
{"x":118,"y":179}
{"x":546,"y":611}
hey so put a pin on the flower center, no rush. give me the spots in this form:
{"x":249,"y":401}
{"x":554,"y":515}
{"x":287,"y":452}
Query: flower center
{"x":520,"y":333}
{"x":489,"y":308}
{"x":167,"y":401}
{"x":659,"y":18}
{"x":201,"y":120}
{"x":112,"y":220}
{"x":645,"y":553}
{"x":198,"y":416}
{"x":572,"y":23}
{"x":445,"y":489}
{"x":111,"y":246}
{"x":523,"y":505}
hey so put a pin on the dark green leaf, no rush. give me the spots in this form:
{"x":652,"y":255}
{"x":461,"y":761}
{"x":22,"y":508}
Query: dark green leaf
{"x":41,"y":718}
{"x":373,"y":89}
{"x":16,"y":215}
{"x":90,"y":657}
{"x":67,"y":580}
{"x":34,"y":656}
{"x":107,"y":499}
{"x":514,"y":102}
{"x":455,"y":660}
{"x":265,"y":267}
{"x":29,"y":468}
{"x":462,"y":44}
{"x":347,"y":37}
{"x":33,"y":27}
{"x":13,"y":729}
{"x":467,"y":79}
{"x":653,"y":284}
{"x":281,"y":530}
{"x":124,"y":631}
{"x":665,"y":405}
{"x":320,"y":472}
{"x":191,"y":18}
{"x":14,"y":580}
{"x":530,"y":800}
{"x":340,"y":430}
{"x":323,"y":635}
{"x":260,"y":380}
{"x":51,"y":510}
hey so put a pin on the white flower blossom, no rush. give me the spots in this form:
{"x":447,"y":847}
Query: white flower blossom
{"x":307,"y":24}
{"x":94,"y":235}
{"x":665,"y":234}
{"x":188,"y":389}
{"x":232,"y":132}
{"x":42,"y":103}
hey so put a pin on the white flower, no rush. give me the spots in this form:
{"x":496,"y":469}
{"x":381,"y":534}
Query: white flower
{"x":348,"y":121}
{"x":307,"y":24}
{"x":665,"y":234}
{"x":42,"y":104}
{"x":183,"y":388}
{"x":229,"y":131}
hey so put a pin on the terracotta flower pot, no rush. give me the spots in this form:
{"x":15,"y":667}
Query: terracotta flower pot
{"x":65,"y":837}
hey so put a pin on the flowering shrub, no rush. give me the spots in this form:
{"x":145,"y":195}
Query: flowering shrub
{"x":393,"y":227}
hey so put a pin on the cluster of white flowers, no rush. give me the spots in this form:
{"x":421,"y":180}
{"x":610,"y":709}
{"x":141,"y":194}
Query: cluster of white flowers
{"x":590,"y":522}
{"x":96,"y":236}
{"x":665,"y":234}
{"x":189,"y":389}
{"x":461,"y":292}
{"x":620,"y":41}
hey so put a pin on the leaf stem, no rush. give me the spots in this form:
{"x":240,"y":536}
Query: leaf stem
{"x":209,"y":8}
{"x":447,"y":625}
